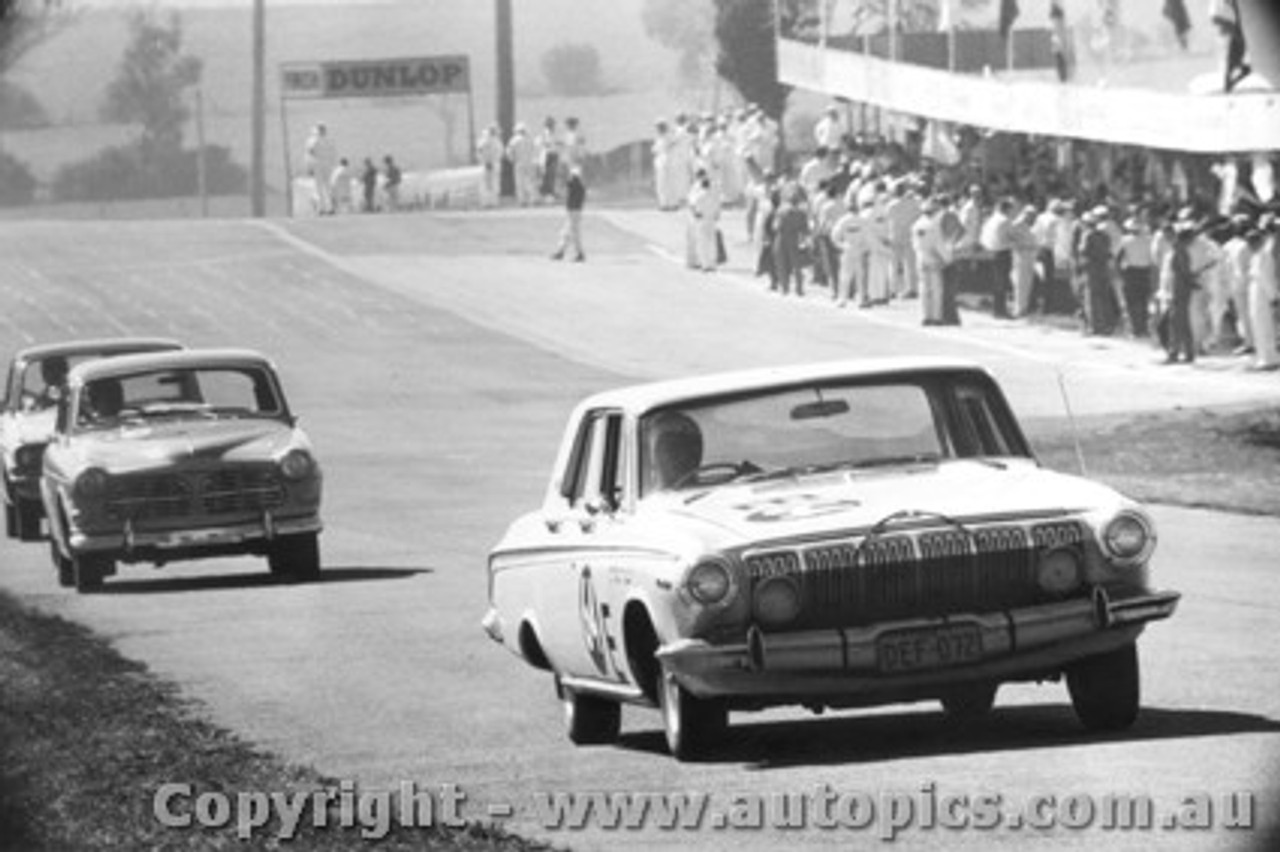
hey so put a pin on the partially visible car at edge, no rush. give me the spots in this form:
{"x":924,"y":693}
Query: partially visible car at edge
{"x":175,"y":456}
{"x":33,"y":385}
{"x":831,"y":535}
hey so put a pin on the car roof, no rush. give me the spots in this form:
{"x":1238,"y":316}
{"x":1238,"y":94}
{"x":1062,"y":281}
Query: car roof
{"x":182,"y":359}
{"x":105,"y":346}
{"x":643,"y":397}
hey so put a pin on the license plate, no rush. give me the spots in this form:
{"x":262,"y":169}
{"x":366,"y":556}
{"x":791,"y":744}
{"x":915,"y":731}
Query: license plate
{"x":929,"y":648}
{"x":198,"y":537}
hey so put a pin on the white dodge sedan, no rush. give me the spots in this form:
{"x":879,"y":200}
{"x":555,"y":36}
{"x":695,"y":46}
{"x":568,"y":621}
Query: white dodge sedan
{"x":833,"y":535}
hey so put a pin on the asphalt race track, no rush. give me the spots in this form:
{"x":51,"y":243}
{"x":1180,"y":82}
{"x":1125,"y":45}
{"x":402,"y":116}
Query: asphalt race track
{"x":434,"y":361}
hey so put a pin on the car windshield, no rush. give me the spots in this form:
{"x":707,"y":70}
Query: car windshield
{"x":819,"y":428}
{"x":194,"y":392}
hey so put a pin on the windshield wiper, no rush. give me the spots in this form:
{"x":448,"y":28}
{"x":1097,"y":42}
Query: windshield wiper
{"x":890,"y":461}
{"x":174,"y":409}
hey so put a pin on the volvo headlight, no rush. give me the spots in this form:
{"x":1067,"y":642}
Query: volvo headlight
{"x":1128,"y":538}
{"x":777,"y":601}
{"x":297,"y":465}
{"x":91,"y":484}
{"x":709,"y":582}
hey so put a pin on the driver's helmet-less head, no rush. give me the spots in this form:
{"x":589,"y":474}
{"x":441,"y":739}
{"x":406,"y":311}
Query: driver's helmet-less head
{"x":676,"y":444}
{"x":106,"y":398}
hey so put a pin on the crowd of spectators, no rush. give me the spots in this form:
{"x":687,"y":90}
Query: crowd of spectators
{"x":869,"y":223}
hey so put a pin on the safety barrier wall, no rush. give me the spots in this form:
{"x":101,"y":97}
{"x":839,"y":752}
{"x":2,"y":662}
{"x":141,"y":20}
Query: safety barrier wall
{"x":1211,"y":124}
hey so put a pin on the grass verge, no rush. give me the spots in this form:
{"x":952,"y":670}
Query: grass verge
{"x":1226,"y":459}
{"x":87,"y":737}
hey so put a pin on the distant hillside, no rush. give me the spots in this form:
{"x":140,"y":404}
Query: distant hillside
{"x":70,"y":74}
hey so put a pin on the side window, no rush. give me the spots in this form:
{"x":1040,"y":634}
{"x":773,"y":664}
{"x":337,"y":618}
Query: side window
{"x":575,"y":477}
{"x":595,"y":465}
{"x":10,"y":390}
{"x":983,"y":432}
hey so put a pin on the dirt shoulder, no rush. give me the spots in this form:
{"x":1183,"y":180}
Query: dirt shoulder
{"x":1226,"y":458}
{"x":87,"y":738}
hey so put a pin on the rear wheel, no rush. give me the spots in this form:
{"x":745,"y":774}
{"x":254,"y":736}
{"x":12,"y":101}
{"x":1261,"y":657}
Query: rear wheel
{"x":588,"y":719}
{"x":89,"y":570}
{"x":10,"y":520}
{"x":1105,"y":689}
{"x":296,"y":557}
{"x":694,"y":726}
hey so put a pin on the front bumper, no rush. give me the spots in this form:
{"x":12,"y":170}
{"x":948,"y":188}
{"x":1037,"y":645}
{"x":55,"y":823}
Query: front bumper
{"x":182,"y":542}
{"x":845,"y":663}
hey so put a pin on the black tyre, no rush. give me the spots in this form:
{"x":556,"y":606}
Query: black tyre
{"x":1105,"y":689}
{"x":65,"y":568}
{"x":89,"y":570}
{"x":588,"y":719}
{"x":296,"y":557}
{"x":27,"y":514}
{"x":971,"y":701}
{"x":10,"y":520}
{"x":694,"y":726}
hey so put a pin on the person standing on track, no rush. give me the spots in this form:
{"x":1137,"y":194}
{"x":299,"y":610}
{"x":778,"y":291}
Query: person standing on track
{"x":321,"y":158}
{"x":571,"y":233}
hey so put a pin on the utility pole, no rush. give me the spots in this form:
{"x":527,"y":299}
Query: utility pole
{"x":202,"y":174}
{"x":257,"y":176}
{"x":506,"y":89}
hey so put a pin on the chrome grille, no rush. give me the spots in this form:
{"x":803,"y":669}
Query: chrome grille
{"x":238,"y":489}
{"x":929,"y":573}
{"x":146,"y":497}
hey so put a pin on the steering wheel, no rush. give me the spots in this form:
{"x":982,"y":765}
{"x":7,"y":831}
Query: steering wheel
{"x":731,"y":471}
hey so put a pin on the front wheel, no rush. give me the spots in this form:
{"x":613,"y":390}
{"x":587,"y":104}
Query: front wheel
{"x":693,"y":726}
{"x":64,"y":566}
{"x":26,"y":520}
{"x":296,"y":557}
{"x":89,"y":570}
{"x":1104,"y":689}
{"x":588,"y":719}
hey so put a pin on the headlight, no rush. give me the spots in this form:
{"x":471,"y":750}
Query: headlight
{"x":1128,"y":538}
{"x":1058,"y":571}
{"x":709,"y":582}
{"x":27,"y":458}
{"x":297,"y":464}
{"x":777,"y":601}
{"x":91,"y":484}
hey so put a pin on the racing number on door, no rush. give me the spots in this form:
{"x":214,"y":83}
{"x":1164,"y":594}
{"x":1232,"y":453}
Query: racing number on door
{"x":591,"y":618}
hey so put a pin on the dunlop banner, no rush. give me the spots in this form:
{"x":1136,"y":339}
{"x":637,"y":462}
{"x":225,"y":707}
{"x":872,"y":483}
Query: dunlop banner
{"x":374,"y":78}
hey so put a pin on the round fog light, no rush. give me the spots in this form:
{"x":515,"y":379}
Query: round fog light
{"x":777,"y":601}
{"x":1059,"y":571}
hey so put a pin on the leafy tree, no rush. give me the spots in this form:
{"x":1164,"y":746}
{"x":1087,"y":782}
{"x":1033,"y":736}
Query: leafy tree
{"x":149,"y":87}
{"x":26,"y":23}
{"x":748,"y":53}
{"x":573,"y":69}
{"x":17,"y":184}
{"x":685,"y":26}
{"x":126,"y":172}
{"x":19,"y":110}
